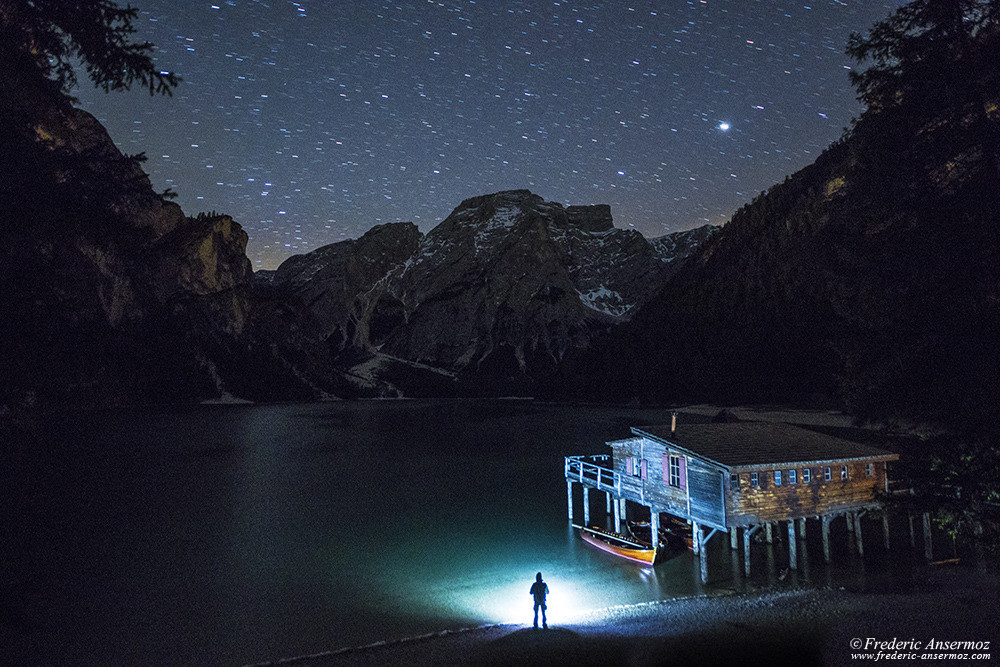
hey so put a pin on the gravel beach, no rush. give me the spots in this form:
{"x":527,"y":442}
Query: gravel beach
{"x":793,"y":627}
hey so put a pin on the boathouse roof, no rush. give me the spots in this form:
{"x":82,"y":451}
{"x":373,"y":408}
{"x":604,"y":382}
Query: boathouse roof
{"x":760,"y":444}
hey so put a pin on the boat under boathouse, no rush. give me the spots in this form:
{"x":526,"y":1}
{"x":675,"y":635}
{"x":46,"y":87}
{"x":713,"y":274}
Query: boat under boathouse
{"x":732,"y":477}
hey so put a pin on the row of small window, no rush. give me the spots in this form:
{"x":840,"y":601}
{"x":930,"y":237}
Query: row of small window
{"x":807,"y":476}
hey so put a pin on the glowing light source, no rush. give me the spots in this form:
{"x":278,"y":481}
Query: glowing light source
{"x":723,"y":126}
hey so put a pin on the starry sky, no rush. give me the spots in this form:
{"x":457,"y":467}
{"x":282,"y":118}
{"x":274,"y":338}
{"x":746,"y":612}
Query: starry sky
{"x":311,"y":121}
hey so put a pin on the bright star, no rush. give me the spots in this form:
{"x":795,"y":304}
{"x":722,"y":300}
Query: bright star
{"x":723,"y":126}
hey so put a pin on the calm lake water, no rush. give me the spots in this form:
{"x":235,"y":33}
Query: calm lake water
{"x":236,"y":534}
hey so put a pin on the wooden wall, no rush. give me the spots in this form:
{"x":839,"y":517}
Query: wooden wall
{"x":791,"y":501}
{"x":705,"y":483}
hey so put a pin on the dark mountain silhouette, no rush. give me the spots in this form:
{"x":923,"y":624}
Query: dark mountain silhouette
{"x":867,"y":280}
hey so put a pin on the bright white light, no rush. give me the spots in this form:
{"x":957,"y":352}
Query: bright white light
{"x":723,"y":126}
{"x":510,"y":602}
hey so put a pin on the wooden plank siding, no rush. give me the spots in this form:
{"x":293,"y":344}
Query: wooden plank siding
{"x":705,"y":486}
{"x":702,"y":483}
{"x":771,"y":502}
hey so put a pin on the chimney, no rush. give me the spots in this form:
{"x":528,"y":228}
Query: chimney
{"x":673,"y":422}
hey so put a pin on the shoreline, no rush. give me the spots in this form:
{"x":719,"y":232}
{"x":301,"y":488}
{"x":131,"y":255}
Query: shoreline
{"x":800,"y":626}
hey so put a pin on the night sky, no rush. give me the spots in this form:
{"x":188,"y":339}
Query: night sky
{"x":311,"y":121}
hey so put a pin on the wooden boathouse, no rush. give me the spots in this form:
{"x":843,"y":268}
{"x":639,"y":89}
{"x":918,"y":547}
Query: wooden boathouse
{"x":733,"y":477}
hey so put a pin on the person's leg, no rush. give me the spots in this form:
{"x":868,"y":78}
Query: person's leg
{"x":545,"y":622}
{"x":536,"y":615}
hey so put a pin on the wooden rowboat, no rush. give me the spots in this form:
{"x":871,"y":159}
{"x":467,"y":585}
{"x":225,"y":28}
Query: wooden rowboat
{"x":619,"y":545}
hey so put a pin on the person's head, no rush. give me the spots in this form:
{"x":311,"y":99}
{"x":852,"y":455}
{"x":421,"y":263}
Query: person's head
{"x":538,"y":577}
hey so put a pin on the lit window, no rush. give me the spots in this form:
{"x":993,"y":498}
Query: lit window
{"x":734,"y":482}
{"x":806,"y":475}
{"x":870,"y":469}
{"x":675,"y":471}
{"x":754,"y":480}
{"x":843,"y":472}
{"x":827,"y":474}
{"x":791,"y":477}
{"x":777,"y":478}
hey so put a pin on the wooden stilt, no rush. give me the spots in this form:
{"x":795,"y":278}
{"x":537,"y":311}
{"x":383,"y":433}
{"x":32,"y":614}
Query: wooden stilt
{"x":792,"y":556}
{"x":826,"y":538}
{"x":850,"y":522}
{"x":618,"y":516}
{"x":885,"y":529}
{"x":857,"y":535}
{"x":768,"y":534}
{"x":696,"y":537}
{"x":607,"y":499}
{"x":746,"y":551}
{"x":802,"y":528}
{"x":734,"y":538}
{"x":702,"y":557}
{"x":928,"y":546}
{"x":586,"y":506}
{"x":913,"y":540}
{"x":654,"y":526}
{"x":569,"y":499}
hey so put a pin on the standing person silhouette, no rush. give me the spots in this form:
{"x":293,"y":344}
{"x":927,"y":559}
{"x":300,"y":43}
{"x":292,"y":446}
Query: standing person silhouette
{"x":539,"y":590}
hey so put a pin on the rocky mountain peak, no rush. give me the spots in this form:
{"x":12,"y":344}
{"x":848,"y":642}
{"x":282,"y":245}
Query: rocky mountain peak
{"x":594,"y":219}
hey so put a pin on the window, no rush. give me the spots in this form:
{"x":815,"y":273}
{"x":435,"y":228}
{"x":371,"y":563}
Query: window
{"x":870,"y":469}
{"x":754,"y":480}
{"x":843,"y":472}
{"x":826,"y":473}
{"x":791,"y":476}
{"x":675,"y":471}
{"x":734,"y":482}
{"x":806,"y":475}
{"x":777,"y":478}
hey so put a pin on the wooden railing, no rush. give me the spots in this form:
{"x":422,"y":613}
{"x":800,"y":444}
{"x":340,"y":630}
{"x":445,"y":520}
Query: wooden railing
{"x":595,"y":471}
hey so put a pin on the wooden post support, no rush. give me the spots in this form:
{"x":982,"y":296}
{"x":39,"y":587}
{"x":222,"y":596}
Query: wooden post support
{"x":586,"y":506}
{"x":857,"y":534}
{"x":885,"y":529}
{"x":928,"y":546}
{"x":734,"y":538}
{"x":702,"y":557}
{"x":826,"y":538}
{"x":792,"y":556}
{"x":607,"y":499}
{"x":624,"y":510}
{"x":850,"y":522}
{"x":696,"y":537}
{"x":746,"y":551}
{"x":654,"y":526}
{"x":913,"y":540}
{"x":768,"y":534}
{"x":618,"y":516}
{"x":569,"y":499}
{"x":802,"y":528}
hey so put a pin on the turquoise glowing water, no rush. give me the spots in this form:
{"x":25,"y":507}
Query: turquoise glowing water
{"x":248,"y":533}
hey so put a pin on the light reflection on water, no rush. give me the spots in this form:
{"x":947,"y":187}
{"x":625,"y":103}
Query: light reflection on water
{"x":249,"y":533}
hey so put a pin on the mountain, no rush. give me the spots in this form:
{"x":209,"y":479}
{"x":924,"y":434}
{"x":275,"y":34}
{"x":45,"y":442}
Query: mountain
{"x":867,"y":280}
{"x":111,"y":294}
{"x":489,"y":301}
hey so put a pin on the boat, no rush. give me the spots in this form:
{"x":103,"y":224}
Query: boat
{"x":674,"y":533}
{"x":620,"y":545}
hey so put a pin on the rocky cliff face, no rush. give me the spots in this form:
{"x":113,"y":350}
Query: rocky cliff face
{"x":101,"y":276}
{"x":490,"y":300}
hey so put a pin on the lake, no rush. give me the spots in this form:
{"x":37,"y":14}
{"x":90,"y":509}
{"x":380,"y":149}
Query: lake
{"x":240,"y":534}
